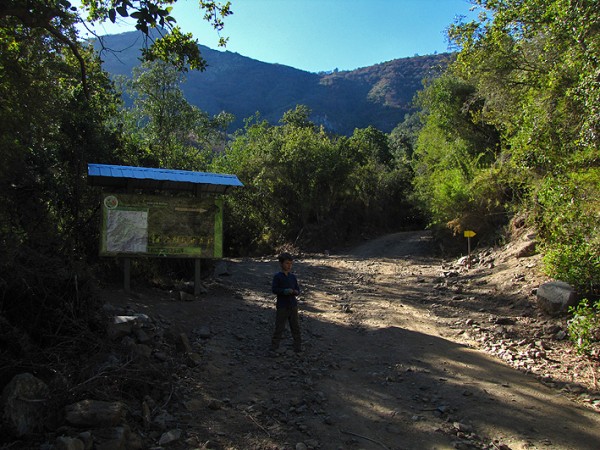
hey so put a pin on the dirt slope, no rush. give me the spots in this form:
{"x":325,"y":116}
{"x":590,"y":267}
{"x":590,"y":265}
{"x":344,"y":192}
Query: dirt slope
{"x":402,"y":351}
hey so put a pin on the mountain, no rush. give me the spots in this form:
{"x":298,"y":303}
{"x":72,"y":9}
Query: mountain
{"x":341,"y":101}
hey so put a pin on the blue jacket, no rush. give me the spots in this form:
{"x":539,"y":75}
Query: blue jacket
{"x":282,"y":281}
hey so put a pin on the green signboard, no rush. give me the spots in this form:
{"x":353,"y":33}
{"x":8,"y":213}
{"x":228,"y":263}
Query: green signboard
{"x":161,"y":226}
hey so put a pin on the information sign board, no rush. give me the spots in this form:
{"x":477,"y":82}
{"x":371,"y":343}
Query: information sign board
{"x":161,"y":226}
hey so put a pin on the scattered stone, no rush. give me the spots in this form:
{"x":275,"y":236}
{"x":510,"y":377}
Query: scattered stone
{"x":185,"y":297}
{"x":183,"y":343}
{"x":463,"y":428}
{"x":68,"y":443}
{"x":169,"y":436}
{"x":463,"y":261}
{"x":115,"y":438}
{"x":203,"y":332}
{"x":142,"y":350}
{"x":163,"y":419}
{"x":215,"y":405}
{"x":161,"y":356}
{"x":118,"y":328}
{"x":527,"y":249}
{"x":193,"y":405}
{"x":221,"y":269}
{"x":194,"y":359}
{"x":141,"y":336}
{"x":505,"y":321}
{"x":560,"y":335}
{"x":312,"y":444}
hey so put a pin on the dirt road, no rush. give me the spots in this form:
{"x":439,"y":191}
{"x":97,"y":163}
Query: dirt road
{"x":383,"y":366}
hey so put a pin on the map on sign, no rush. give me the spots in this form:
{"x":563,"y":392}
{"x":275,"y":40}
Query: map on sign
{"x":153,"y":225}
{"x":127,"y":231}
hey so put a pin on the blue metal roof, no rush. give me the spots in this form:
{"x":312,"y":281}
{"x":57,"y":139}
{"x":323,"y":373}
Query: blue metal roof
{"x":162,"y":179}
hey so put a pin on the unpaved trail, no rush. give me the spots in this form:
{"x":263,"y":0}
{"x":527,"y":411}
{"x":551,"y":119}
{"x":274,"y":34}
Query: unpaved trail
{"x":380,"y":369}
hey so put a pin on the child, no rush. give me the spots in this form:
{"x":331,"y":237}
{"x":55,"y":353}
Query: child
{"x":285,"y":286}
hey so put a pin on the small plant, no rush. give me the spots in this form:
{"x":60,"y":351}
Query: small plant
{"x":584,"y":327}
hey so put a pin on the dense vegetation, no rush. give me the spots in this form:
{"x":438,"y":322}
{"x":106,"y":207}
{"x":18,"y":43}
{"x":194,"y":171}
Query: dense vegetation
{"x":514,"y":126}
{"x":510,"y":129}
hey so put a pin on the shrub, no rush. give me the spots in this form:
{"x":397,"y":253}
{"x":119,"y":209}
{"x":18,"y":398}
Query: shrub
{"x":568,"y":216}
{"x":584,"y":327}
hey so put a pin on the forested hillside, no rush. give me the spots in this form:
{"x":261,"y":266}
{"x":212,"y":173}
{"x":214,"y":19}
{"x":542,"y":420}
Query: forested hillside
{"x":379,"y":95}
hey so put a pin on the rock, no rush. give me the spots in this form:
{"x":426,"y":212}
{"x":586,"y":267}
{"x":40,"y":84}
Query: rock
{"x":142,"y":350}
{"x":526,"y":249}
{"x":312,"y":443}
{"x":203,"y":332}
{"x":221,"y":269}
{"x":183,"y":343}
{"x":463,"y":261}
{"x":67,"y":443}
{"x":505,"y":321}
{"x":146,"y":414}
{"x":114,"y":438}
{"x":185,"y":297}
{"x":193,"y":405}
{"x":24,"y":404}
{"x":170,"y":436}
{"x":194,"y":359}
{"x":215,"y":405}
{"x":91,"y":413}
{"x":555,"y":297}
{"x":141,"y":336}
{"x":560,"y":335}
{"x":163,"y":419}
{"x":162,"y":356}
{"x":125,"y":319}
{"x":121,"y":326}
{"x":464,"y":428}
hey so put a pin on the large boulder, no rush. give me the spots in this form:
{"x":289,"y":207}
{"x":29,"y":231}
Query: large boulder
{"x":555,"y":297}
{"x":95,"y":413}
{"x":24,"y":401}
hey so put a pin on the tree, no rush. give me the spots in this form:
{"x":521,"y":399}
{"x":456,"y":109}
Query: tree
{"x":58,"y":18}
{"x":58,"y":112}
{"x":535,"y":63}
{"x":49,"y":130}
{"x":404,"y":136}
{"x":304,"y":185}
{"x":163,"y":129}
{"x":454,"y":148}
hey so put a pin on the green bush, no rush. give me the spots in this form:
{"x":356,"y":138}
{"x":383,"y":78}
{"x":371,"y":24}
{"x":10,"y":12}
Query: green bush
{"x":584,"y":327}
{"x":568,"y":221}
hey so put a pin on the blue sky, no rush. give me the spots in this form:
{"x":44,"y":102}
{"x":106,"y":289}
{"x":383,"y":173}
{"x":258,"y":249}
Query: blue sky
{"x":322,"y":35}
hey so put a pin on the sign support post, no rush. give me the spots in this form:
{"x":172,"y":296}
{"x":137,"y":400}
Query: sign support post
{"x":469,"y":234}
{"x":197,"y":267}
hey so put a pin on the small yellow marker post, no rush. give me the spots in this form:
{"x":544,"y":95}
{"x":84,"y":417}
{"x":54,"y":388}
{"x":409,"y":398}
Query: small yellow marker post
{"x":469,"y":234}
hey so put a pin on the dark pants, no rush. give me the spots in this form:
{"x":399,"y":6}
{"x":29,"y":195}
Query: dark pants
{"x":289,"y":314}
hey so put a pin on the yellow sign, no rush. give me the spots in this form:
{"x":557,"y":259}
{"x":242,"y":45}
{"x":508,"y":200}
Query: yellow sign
{"x":469,"y":233}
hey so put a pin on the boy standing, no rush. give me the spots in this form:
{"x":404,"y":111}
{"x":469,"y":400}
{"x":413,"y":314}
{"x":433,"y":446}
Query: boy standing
{"x":285,"y":286}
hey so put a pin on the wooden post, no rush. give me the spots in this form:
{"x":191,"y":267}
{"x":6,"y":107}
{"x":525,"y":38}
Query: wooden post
{"x":127,"y":274}
{"x":197,"y":266}
{"x":469,"y":234}
{"x":469,"y":252}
